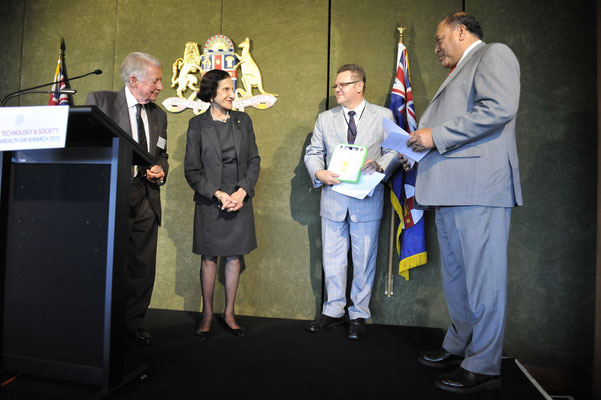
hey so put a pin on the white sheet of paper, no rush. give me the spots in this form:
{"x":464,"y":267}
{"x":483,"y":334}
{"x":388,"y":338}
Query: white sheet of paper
{"x":365,"y":187}
{"x":397,"y":140}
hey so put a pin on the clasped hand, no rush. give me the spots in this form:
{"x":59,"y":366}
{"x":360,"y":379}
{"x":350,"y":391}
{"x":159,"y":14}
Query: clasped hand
{"x":232,"y":202}
{"x":155,"y":174}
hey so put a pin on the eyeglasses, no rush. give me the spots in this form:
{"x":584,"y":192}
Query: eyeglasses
{"x":343,"y":85}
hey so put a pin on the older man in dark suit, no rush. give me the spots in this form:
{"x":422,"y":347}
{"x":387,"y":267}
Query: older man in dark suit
{"x":133,"y":109}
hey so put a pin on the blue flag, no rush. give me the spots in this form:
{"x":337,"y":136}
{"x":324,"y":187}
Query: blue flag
{"x":410,"y":224}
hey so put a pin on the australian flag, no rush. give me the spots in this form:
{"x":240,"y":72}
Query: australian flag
{"x":56,"y":98}
{"x":410,"y":225}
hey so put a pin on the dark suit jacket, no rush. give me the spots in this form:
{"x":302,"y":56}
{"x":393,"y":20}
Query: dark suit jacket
{"x":202,"y":164}
{"x":114,"y":105}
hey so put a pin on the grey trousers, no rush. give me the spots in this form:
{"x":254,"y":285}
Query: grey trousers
{"x":473,"y":246}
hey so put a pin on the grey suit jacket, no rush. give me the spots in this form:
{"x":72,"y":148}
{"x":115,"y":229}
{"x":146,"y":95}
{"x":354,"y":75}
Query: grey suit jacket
{"x":202,"y":164}
{"x":472,"y":118}
{"x":114,"y":104}
{"x":331,"y":130}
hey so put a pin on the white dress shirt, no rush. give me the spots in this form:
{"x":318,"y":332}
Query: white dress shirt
{"x":358,"y":113}
{"x":131,"y":108}
{"x":467,"y":51}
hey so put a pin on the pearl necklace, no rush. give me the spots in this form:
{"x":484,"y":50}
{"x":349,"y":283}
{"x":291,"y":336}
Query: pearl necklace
{"x":224,"y":120}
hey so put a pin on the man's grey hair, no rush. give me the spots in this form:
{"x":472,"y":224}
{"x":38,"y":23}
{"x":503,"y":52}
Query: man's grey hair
{"x":136,"y":64}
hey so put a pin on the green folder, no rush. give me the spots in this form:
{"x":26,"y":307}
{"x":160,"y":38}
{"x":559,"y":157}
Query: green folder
{"x":347,"y":161}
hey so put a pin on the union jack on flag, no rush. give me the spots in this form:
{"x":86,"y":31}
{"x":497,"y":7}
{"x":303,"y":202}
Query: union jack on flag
{"x":59,"y":80}
{"x":410,"y":225}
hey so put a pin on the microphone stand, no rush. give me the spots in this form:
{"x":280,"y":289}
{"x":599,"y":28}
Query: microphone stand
{"x":29,"y":90}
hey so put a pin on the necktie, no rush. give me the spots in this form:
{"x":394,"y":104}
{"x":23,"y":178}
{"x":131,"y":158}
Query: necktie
{"x":352,"y":128}
{"x":141,"y":131}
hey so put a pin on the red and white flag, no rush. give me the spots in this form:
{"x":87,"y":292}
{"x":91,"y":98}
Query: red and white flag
{"x":56,"y":98}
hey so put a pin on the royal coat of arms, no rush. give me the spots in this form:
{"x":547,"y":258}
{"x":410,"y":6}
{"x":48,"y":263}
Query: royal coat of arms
{"x":218,"y":53}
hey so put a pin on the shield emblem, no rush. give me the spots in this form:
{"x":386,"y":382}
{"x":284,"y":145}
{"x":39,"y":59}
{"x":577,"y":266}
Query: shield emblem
{"x":219,"y":53}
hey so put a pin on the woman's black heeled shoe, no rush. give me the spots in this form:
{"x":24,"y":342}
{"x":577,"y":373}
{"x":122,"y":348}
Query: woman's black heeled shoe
{"x":236,"y":332}
{"x":203,"y":334}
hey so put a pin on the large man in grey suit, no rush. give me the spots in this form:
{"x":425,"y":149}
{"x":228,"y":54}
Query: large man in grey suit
{"x":132,"y":108}
{"x":471,"y":178}
{"x":342,"y":217}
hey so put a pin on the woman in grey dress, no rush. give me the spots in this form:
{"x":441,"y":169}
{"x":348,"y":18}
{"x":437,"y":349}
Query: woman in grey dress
{"x":222,"y":166}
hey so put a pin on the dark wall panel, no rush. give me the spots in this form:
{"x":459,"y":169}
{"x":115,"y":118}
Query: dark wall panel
{"x":289,"y":44}
{"x":552,"y":242}
{"x":366,"y":33}
{"x":89,"y":32}
{"x":151,"y":27}
{"x":11,"y":40}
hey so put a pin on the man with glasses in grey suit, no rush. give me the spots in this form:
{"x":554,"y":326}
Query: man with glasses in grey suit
{"x":346,"y":221}
{"x":471,"y":179}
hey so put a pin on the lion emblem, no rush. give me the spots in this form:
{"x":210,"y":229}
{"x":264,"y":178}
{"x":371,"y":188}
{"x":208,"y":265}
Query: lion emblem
{"x":184,"y":70}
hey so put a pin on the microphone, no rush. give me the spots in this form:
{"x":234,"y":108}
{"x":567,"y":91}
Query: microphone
{"x":59,"y":92}
{"x":28,"y":90}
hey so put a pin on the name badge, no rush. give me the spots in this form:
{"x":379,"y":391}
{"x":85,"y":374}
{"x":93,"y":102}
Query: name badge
{"x":161,"y":143}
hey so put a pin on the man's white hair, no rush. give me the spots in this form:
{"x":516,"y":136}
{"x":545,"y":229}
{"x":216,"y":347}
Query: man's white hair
{"x":136,"y":64}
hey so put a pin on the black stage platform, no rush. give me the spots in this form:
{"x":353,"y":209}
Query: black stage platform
{"x":277,"y":360}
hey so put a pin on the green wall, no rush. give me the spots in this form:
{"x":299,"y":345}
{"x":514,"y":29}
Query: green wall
{"x":299,"y":45}
{"x":551,"y":274}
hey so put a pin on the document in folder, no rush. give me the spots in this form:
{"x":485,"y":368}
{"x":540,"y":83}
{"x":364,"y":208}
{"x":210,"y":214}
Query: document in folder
{"x":397,"y":140}
{"x":347,"y":161}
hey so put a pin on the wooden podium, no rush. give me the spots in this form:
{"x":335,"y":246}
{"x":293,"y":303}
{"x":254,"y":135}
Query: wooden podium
{"x":63,"y":247}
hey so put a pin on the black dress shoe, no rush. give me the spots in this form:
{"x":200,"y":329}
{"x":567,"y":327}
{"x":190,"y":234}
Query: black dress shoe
{"x":140,"y":336}
{"x":439,"y":358}
{"x":464,"y":381}
{"x":322,"y":323}
{"x":356,"y":329}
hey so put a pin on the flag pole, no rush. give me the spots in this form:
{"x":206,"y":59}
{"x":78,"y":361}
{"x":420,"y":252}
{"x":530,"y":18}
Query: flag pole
{"x":392,"y":233}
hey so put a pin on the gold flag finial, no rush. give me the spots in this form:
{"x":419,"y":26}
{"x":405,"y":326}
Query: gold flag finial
{"x":401,"y":31}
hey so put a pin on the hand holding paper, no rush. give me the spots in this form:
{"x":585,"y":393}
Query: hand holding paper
{"x":421,"y":140}
{"x":327,"y":177}
{"x":365,"y":186}
{"x":397,"y":140}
